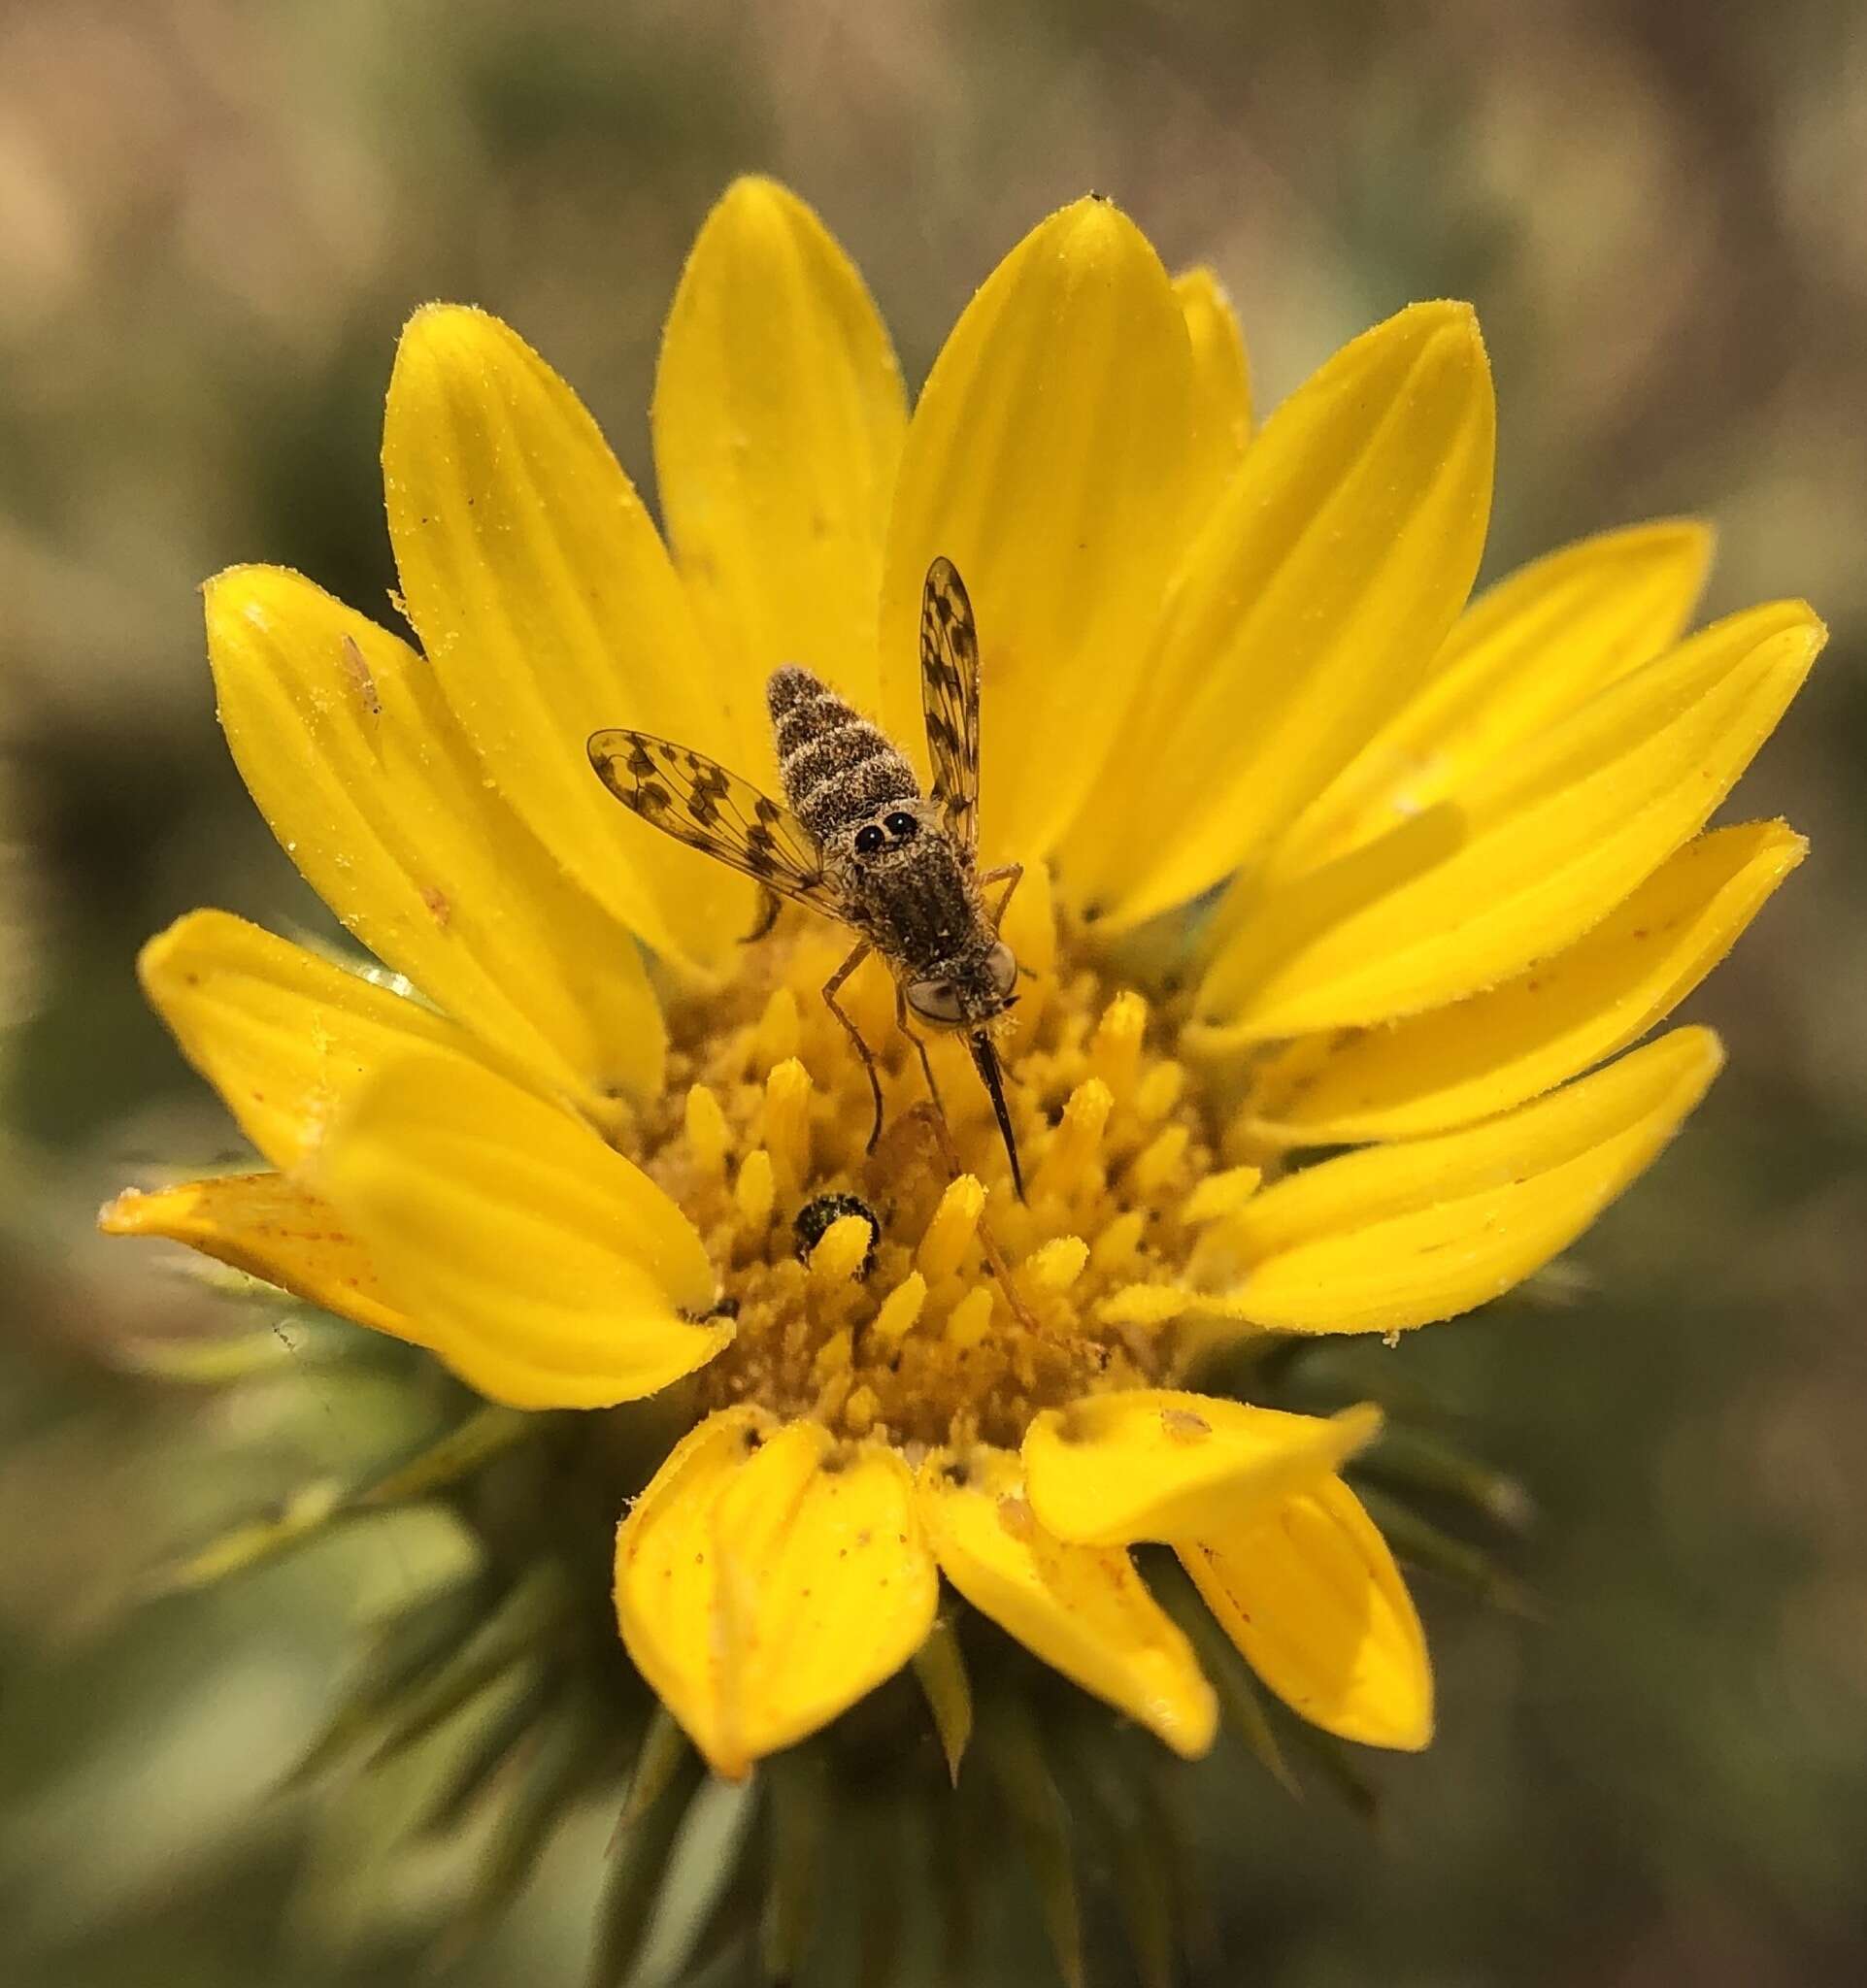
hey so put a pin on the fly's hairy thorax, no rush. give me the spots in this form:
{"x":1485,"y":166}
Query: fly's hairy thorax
{"x":918,"y":906}
{"x":915,"y":899}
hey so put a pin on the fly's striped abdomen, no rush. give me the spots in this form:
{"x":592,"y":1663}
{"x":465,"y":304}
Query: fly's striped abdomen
{"x":838,"y":769}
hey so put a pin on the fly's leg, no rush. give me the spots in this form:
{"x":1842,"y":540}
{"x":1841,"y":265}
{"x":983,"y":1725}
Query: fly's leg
{"x":988,"y":1242}
{"x":862,"y":1049}
{"x":927,"y":1071}
{"x":768,"y":910}
{"x":1011,"y":875}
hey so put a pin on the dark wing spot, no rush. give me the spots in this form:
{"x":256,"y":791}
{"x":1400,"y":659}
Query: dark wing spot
{"x":653,"y":797}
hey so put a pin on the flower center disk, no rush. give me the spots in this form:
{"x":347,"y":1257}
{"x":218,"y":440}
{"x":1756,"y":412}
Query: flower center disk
{"x":889,"y":1295}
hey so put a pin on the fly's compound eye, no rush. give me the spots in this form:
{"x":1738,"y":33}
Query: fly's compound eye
{"x":868,"y":839}
{"x":901,"y":825}
{"x":1001,"y":969}
{"x":936,"y":1001}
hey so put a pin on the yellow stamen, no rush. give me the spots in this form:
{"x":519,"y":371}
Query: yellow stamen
{"x":900,"y":1310}
{"x":838,"y":1254}
{"x":779,"y":1034}
{"x":787,"y":1121}
{"x":1223,"y":1194}
{"x":950,"y":1233}
{"x":1115,"y":1053}
{"x":1074,"y":1143}
{"x":1156,"y":1164}
{"x":980,"y":1310}
{"x":1057,"y":1266}
{"x":1143,"y":1304}
{"x":1113,"y":1249}
{"x":1160,"y":1091}
{"x":708,"y":1134}
{"x":971,"y":1319}
{"x":755,"y":1191}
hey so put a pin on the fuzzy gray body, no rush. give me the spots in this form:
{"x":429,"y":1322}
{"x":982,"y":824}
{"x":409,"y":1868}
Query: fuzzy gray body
{"x":914,"y":896}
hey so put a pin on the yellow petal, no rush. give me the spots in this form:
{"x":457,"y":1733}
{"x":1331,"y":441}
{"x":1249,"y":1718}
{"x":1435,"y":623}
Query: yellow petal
{"x":342,"y":737}
{"x":546,"y":1271}
{"x":1456,"y":1064}
{"x":1304,"y":615}
{"x":285,"y":1037}
{"x":1221,"y":399}
{"x":1398,"y":1236}
{"x":1084,"y":1610}
{"x":1522,"y":860}
{"x":1528,"y":652}
{"x":1154,"y":1464}
{"x":1310,"y":1593}
{"x":778,"y":417}
{"x":271,"y":1227}
{"x":550,"y":610}
{"x":766,"y":1580}
{"x":1047,"y":459}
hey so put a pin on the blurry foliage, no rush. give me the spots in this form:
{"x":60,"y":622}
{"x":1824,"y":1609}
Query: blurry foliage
{"x":214,"y":219}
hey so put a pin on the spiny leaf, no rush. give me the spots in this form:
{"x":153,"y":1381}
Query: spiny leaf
{"x":1040,"y":1823}
{"x":557,"y":1768}
{"x":664,"y":1751}
{"x":521,"y":1628}
{"x":408,"y":1651}
{"x":701,"y":1867}
{"x":1339,"y":1768}
{"x":323,"y":1502}
{"x":499,"y":1737}
{"x":1109,"y":1799}
{"x":1422,"y":1545}
{"x":305,"y":1513}
{"x":457,"y":1454}
{"x":1412,"y":1461}
{"x":635,"y":1874}
{"x":940,"y":1665}
{"x":1238,"y":1697}
{"x":798,"y":1800}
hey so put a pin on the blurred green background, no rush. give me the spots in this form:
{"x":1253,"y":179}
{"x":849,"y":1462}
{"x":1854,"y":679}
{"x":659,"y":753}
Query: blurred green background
{"x":214,"y":217}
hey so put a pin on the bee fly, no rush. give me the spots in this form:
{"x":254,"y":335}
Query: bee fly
{"x":860,"y":841}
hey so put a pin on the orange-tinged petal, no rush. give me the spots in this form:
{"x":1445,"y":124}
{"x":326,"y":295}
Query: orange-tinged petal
{"x":1481,"y":1056}
{"x":1306,"y":611}
{"x":1084,"y":1610}
{"x":768,"y":1579}
{"x":343,"y":740}
{"x":1520,"y":862}
{"x":548,"y":609}
{"x":546,"y":1271}
{"x":1310,"y":1593}
{"x":285,"y":1037}
{"x":1221,"y":396}
{"x":779,"y":417}
{"x":1398,"y":1236}
{"x":271,"y":1227}
{"x":1047,"y":458}
{"x":1526,"y":653}
{"x":1156,"y":1464}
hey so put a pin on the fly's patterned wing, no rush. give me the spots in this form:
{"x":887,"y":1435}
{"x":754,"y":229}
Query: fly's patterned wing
{"x":949,"y":697}
{"x":695,"y":800}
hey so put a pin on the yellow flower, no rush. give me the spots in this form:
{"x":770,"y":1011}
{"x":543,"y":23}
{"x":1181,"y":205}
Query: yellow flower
{"x":1444,"y":864}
